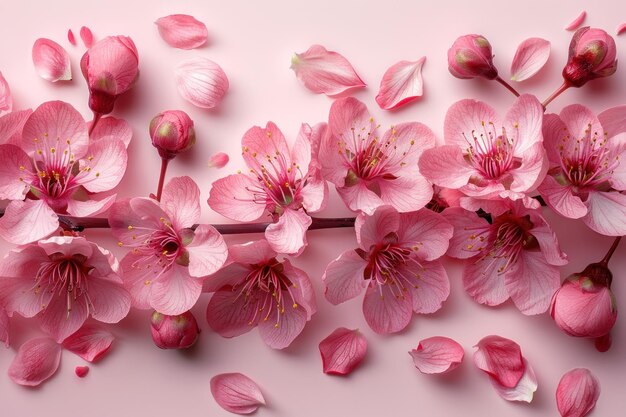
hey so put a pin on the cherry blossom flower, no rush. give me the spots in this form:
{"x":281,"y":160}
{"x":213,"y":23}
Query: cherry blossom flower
{"x":397,"y":260}
{"x":63,"y":281}
{"x":587,"y":177}
{"x":369,"y":171}
{"x":169,"y":260}
{"x":281,"y":181}
{"x":255,"y":289}
{"x":516,"y":256}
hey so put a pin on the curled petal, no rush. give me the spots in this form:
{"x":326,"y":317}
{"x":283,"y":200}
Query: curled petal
{"x":86,"y":36}
{"x":575,"y":24}
{"x":342,"y":351}
{"x":288,"y":235}
{"x":201,"y":82}
{"x":6,"y":99}
{"x":501,"y":359}
{"x":401,"y":84}
{"x":182,"y":31}
{"x":51,"y":61}
{"x":523,"y":391}
{"x":90,"y":343}
{"x":621,"y":29}
{"x":70,"y":37}
{"x":236,"y":393}
{"x":36,"y":361}
{"x":323,"y":71}
{"x":437,"y":355}
{"x":218,"y":160}
{"x":577,"y":393}
{"x":532,"y":54}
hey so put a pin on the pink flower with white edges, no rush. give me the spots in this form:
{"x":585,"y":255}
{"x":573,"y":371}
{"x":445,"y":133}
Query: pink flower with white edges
{"x":397,"y":260}
{"x":516,"y":256}
{"x":63,"y":281}
{"x":55,"y":170}
{"x":369,"y":171}
{"x":255,"y":289}
{"x":587,"y":176}
{"x":169,"y":259}
{"x":281,"y":181}
{"x":485,"y":157}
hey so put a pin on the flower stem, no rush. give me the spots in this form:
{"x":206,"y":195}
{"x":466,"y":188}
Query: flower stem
{"x":164,"y":162}
{"x":94,"y":122}
{"x":554,"y":95}
{"x":507,"y":85}
{"x":605,"y":261}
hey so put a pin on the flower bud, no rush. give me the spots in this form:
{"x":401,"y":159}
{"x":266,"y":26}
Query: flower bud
{"x":172,"y":132}
{"x":174,"y":332}
{"x":592,"y":55}
{"x":470,"y":56}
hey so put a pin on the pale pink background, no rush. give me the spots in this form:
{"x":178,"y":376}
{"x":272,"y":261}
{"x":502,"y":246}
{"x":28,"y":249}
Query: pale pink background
{"x":253,"y":41}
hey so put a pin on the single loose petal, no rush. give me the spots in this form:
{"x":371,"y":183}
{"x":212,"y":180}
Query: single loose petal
{"x":218,"y":160}
{"x":201,"y":82}
{"x":532,"y":54}
{"x":437,"y":355}
{"x":575,"y":24}
{"x":86,"y":36}
{"x":621,"y":28}
{"x":4,"y":327}
{"x":90,"y":343}
{"x":70,"y":37}
{"x":6,"y":99}
{"x":81,"y":371}
{"x":523,"y":391}
{"x":51,"y":61}
{"x":36,"y":361}
{"x":577,"y":393}
{"x":323,"y":71}
{"x":401,"y":84}
{"x":182,"y":31}
{"x":501,"y":359}
{"x":342,"y":351}
{"x":236,"y":393}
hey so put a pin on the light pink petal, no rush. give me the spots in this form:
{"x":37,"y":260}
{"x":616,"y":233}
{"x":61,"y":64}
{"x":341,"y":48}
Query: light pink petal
{"x":110,"y":300}
{"x":523,"y":124}
{"x":607,"y":213}
{"x":427,"y":232}
{"x":371,"y":230}
{"x":407,"y":193}
{"x":81,"y":371}
{"x":27,"y":221}
{"x":577,"y":393}
{"x":175,"y":293}
{"x":401,"y":84}
{"x":52,"y":62}
{"x":229,"y":314}
{"x":279,"y":332}
{"x":466,"y":116}
{"x":302,"y":290}
{"x":621,"y":28}
{"x":288,"y":235}
{"x":11,"y":126}
{"x":138,"y":213}
{"x":236,"y":393}
{"x":207,"y":251}
{"x":531,"y":55}
{"x":437,"y":355}
{"x":218,"y":160}
{"x":613,"y":121}
{"x":431,"y":286}
{"x":255,"y":252}
{"x":88,"y":208}
{"x":90,"y":343}
{"x":523,"y":391}
{"x":561,"y":199}
{"x":201,"y":82}
{"x":575,"y":24}
{"x":70,"y":37}
{"x":344,"y":277}
{"x":323,"y":71}
{"x":110,"y":128}
{"x":301,"y":151}
{"x":182,"y":31}
{"x":86,"y":36}
{"x":14,"y":161}
{"x":467,"y":227}
{"x":104,"y":167}
{"x":385,"y":312}
{"x":314,"y":194}
{"x":360,"y":198}
{"x":138,"y":280}
{"x":483,"y":281}
{"x":531,"y":282}
{"x":548,"y":243}
{"x":577,"y":119}
{"x":4,"y":327}
{"x":36,"y":360}
{"x":258,"y":143}
{"x":6,"y":99}
{"x":531,"y":172}
{"x":342,"y":351}
{"x":553,"y":131}
{"x":231,"y":197}
{"x":59,"y":322}
{"x":181,"y":201}
{"x":445,"y":166}
{"x":230,"y":274}
{"x":501,"y":359}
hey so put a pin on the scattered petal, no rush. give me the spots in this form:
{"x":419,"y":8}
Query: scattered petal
{"x":70,"y":37}
{"x":90,"y":343}
{"x":201,"y":82}
{"x":531,"y":55}
{"x":323,"y":71}
{"x":218,"y":160}
{"x":182,"y":31}
{"x":401,"y":84}
{"x":342,"y":351}
{"x":51,"y":61}
{"x":236,"y":393}
{"x":621,"y":28}
{"x":6,"y":99}
{"x":523,"y":391}
{"x":86,"y":36}
{"x":501,"y":359}
{"x":81,"y":371}
{"x":437,"y":355}
{"x":36,"y":361}
{"x":575,"y":24}
{"x":577,"y":393}
{"x":4,"y":327}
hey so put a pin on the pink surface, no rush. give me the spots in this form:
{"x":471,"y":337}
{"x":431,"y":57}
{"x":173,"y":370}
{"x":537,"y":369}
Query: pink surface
{"x":253,"y":42}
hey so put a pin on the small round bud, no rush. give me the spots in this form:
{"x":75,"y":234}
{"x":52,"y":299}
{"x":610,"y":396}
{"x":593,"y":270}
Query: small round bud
{"x":174,"y":332}
{"x":470,"y":56}
{"x":592,"y":54}
{"x":172,"y":132}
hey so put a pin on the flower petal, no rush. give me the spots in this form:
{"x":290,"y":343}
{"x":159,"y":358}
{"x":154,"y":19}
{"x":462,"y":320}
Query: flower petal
{"x":427,"y":232}
{"x":360,"y":198}
{"x":27,"y":221}
{"x":575,"y":24}
{"x":70,"y":37}
{"x":385,"y":312}
{"x":110,"y":300}
{"x":280,"y":329}
{"x":90,"y":343}
{"x":467,"y":116}
{"x":288,"y":235}
{"x":323,"y":71}
{"x":401,"y":84}
{"x":467,"y":226}
{"x":12,"y":186}
{"x":138,"y":213}
{"x":175,"y":293}
{"x":258,"y":143}
{"x":181,"y":201}
{"x":231,"y":197}
{"x":483,"y":281}
{"x":110,"y":128}
{"x":11,"y":126}
{"x":182,"y":31}
{"x":105,"y":166}
{"x":4,"y":327}
{"x":81,"y":371}
{"x":431,"y":286}
{"x":36,"y":360}
{"x":59,"y":321}
{"x":524,"y":389}
{"x":577,"y":393}
{"x":621,"y":28}
{"x":201,"y":82}
{"x":218,"y":160}
{"x":407,"y":193}
{"x":207,"y":251}
{"x":6,"y":99}
{"x":86,"y":36}
{"x":138,"y":279}
{"x":501,"y":359}
{"x":370,"y":230}
{"x":607,"y":213}
{"x":437,"y":355}
{"x":236,"y":393}
{"x":531,"y":55}
{"x":52,"y":62}
{"x":344,"y":277}
{"x":445,"y":166}
{"x":562,"y":199}
{"x":230,"y":314}
{"x":87,"y":208}
{"x":342,"y":351}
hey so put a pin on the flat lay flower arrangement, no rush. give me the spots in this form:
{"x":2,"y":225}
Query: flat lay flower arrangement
{"x":478,"y":194}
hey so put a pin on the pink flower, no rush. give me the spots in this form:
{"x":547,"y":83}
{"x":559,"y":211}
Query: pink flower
{"x":169,"y":259}
{"x":397,"y":260}
{"x":587,"y":177}
{"x":63,"y":281}
{"x":592,"y":54}
{"x":369,"y":171}
{"x":282,"y":182}
{"x":515,"y":256}
{"x":486,"y":158}
{"x":255,"y":289}
{"x":55,"y":170}
{"x":470,"y":56}
{"x":174,"y":332}
{"x":110,"y":67}
{"x":172,"y":132}
{"x":577,"y":393}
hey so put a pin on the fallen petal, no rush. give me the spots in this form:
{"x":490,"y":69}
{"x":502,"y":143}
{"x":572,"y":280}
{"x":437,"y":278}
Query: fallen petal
{"x":36,"y":361}
{"x":81,"y":371}
{"x":531,"y":55}
{"x":577,"y":22}
{"x":6,"y":99}
{"x":621,"y":28}
{"x":51,"y":61}
{"x":4,"y":327}
{"x":90,"y":343}
{"x":501,"y":359}
{"x":323,"y":71}
{"x":342,"y":351}
{"x":218,"y":160}
{"x":70,"y":37}
{"x":201,"y":82}
{"x":86,"y":36}
{"x":401,"y":84}
{"x":182,"y":31}
{"x":236,"y":393}
{"x":523,"y":391}
{"x":577,"y":393}
{"x":437,"y":355}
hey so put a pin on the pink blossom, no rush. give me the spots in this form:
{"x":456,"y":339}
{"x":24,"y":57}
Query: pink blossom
{"x":486,"y":158}
{"x":63,"y":281}
{"x":397,"y":260}
{"x":577,"y":393}
{"x":470,"y":56}
{"x":174,"y":332}
{"x":517,"y":256}
{"x":587,"y":177}
{"x":169,"y":259}
{"x":55,"y":169}
{"x":369,"y":171}
{"x":592,"y":54}
{"x":281,"y":182}
{"x":255,"y":289}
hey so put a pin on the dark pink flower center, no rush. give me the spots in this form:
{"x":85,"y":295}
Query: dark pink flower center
{"x":66,"y":276}
{"x":489,"y":153}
